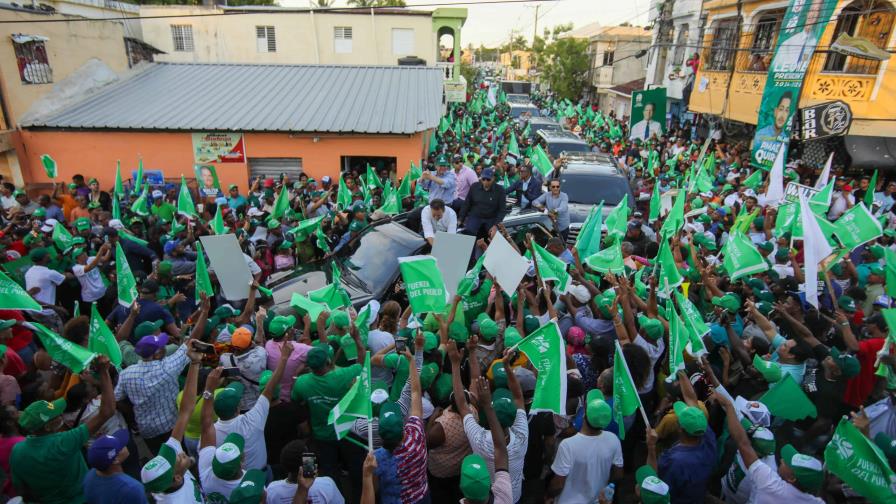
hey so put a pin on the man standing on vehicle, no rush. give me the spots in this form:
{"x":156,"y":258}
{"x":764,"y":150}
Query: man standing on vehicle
{"x":484,"y":206}
{"x":441,"y":185}
{"x":529,"y":186}
{"x":465,"y":177}
{"x":437,"y":217}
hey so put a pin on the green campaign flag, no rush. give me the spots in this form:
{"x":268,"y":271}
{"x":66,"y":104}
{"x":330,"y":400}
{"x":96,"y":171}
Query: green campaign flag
{"x":541,"y":162}
{"x":61,"y":237}
{"x":443,"y":125}
{"x":675,"y":220}
{"x":788,"y":216}
{"x":423,"y":283}
{"x":857,"y":226}
{"x":617,"y":220}
{"x":743,"y":221}
{"x":653,"y":162}
{"x":372,"y":179}
{"x":391,"y":203}
{"x":433,"y":143}
{"x":333,"y":295}
{"x":305,"y":228}
{"x":678,"y":338}
{"x":343,"y":196}
{"x":49,"y":166}
{"x":116,"y":207}
{"x":656,"y":204}
{"x":607,"y":260}
{"x":857,"y":461}
{"x":119,"y":185}
{"x":668,"y":276}
{"x":218,"y":226}
{"x":588,"y":239}
{"x":546,"y":350}
{"x":127,"y":235}
{"x":741,"y":257}
{"x":138,"y":183}
{"x":702,"y":182}
{"x":465,"y":287}
{"x":185,"y":204}
{"x":527,"y":133}
{"x":71,"y":355}
{"x":101,"y":340}
{"x":203,"y":282}
{"x":404,"y":188}
{"x":354,"y":404}
{"x":304,"y":305}
{"x":869,"y":194}
{"x":501,"y":129}
{"x":513,"y":147}
{"x":551,"y":267}
{"x":14,"y":297}
{"x":281,"y":205}
{"x":788,"y":401}
{"x":754,"y":180}
{"x":416,"y":171}
{"x":625,"y":393}
{"x":321,"y":240}
{"x":889,"y":272}
{"x":141,"y":204}
{"x":124,"y":279}
{"x":694,"y":323}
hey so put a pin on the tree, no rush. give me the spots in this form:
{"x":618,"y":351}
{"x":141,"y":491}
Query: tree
{"x":469,"y":72}
{"x":322,"y":3}
{"x":566,"y":66}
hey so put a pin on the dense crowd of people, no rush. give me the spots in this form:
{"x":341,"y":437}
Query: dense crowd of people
{"x":203,"y":399}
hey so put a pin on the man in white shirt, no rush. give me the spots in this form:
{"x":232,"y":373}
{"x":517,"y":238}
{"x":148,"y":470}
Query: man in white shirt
{"x":841,"y":201}
{"x":41,"y":281}
{"x":321,"y":489}
{"x":87,"y":272}
{"x":437,"y":217}
{"x":646,"y":127}
{"x":586,"y":462}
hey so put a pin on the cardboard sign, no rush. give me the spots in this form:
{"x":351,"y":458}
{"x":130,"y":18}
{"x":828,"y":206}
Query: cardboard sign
{"x":505,"y":264}
{"x":225,"y":256}
{"x":793,"y":190}
{"x":452,"y":251}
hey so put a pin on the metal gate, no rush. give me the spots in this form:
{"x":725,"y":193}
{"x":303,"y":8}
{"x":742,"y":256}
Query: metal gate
{"x":273,"y":167}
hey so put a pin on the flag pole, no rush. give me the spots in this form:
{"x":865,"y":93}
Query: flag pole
{"x":629,"y":373}
{"x":369,"y":406}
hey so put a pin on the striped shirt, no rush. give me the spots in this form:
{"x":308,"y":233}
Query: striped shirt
{"x":152,"y":388}
{"x":405,"y":466}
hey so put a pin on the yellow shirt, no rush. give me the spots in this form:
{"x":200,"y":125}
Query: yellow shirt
{"x":194,"y":425}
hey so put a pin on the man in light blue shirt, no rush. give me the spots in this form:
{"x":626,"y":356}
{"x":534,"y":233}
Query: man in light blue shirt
{"x":441,"y":185}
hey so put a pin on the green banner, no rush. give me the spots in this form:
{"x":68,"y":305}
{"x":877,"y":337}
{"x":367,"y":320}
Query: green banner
{"x":423,"y":284}
{"x":801,"y":28}
{"x":648,"y":115}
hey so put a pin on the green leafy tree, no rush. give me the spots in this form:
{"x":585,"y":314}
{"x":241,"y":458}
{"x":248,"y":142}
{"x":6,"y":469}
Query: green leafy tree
{"x":469,"y":72}
{"x":566,"y":66}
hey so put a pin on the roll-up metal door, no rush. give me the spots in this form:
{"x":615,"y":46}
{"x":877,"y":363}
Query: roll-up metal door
{"x":273,"y":167}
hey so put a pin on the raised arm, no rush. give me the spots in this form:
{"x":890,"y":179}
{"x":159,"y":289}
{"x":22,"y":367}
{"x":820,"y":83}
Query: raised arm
{"x":747,"y":453}
{"x":460,"y":400}
{"x":107,"y":397}
{"x":188,"y":399}
{"x":494,"y":427}
{"x":286,"y":349}
{"x":416,"y":391}
{"x":208,"y":436}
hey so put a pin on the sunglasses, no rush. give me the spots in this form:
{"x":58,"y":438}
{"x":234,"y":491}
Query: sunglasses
{"x":555,"y":187}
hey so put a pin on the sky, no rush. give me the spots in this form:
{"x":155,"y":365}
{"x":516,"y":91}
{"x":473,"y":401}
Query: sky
{"x":491,"y":24}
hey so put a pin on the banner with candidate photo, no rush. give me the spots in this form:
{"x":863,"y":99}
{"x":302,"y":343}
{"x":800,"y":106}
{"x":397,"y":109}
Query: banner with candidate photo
{"x":801,"y":28}
{"x":648,"y":114}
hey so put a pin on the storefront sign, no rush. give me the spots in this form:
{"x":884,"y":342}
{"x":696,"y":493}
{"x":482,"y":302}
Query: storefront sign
{"x":801,"y":28}
{"x":218,"y":147}
{"x":825,"y":120}
{"x":456,"y":92}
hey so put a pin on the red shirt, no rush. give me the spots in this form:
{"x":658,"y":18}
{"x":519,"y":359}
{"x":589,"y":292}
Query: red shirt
{"x":21,"y":336}
{"x":860,"y":386}
{"x":15,"y":366}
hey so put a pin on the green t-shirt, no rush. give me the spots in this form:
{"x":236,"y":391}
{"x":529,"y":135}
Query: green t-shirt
{"x":476,"y":303}
{"x":164,"y":212}
{"x":322,"y":393}
{"x":52,"y":466}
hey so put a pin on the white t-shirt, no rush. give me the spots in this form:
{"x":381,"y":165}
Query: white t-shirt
{"x":92,"y":286}
{"x":376,"y":341}
{"x":481,"y":442}
{"x":216,"y":490}
{"x":250,"y":425}
{"x":188,"y":493}
{"x":769,"y":488}
{"x":323,"y":491}
{"x":736,"y":483}
{"x":654,"y":352}
{"x":47,"y":280}
{"x":586,"y":462}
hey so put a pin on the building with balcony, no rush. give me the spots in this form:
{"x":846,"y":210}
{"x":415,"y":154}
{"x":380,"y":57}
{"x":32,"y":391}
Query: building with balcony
{"x":517,"y":64}
{"x":737,"y":49}
{"x":616,"y":54}
{"x":676,"y":38}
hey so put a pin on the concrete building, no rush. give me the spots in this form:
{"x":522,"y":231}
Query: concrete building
{"x":614,"y":52}
{"x":517,"y":65}
{"x":677,"y":33}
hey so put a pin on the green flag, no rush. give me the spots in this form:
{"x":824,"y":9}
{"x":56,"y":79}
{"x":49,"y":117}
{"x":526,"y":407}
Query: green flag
{"x":203,"y":282}
{"x":890,"y":272}
{"x":754,"y":180}
{"x":321,"y":240}
{"x":14,"y":297}
{"x":551,"y":267}
{"x":513,"y":147}
{"x":127,"y":235}
{"x":857,"y":461}
{"x":656,"y":204}
{"x":694,"y":323}
{"x":305,"y":228}
{"x":333,"y":295}
{"x":304,"y":305}
{"x":424,"y":284}
{"x":116,"y":207}
{"x":788,"y":401}
{"x":869,"y":194}
{"x":71,"y":355}
{"x":124,"y":279}
{"x":281,"y":205}
{"x":588,"y":239}
{"x":617,"y":220}
{"x":185,"y":204}
{"x":675,"y":220}
{"x":373,"y":180}
{"x":607,"y":260}
{"x":404,"y":188}
{"x":668,"y":276}
{"x":625,"y":393}
{"x":218,"y":226}
{"x":101,"y":339}
{"x":546,"y":350}
{"x":678,"y":338}
{"x":857,"y":226}
{"x":61,"y":237}
{"x":741,"y":257}
{"x":541,"y":162}
{"x":343,"y":196}
{"x":416,"y":171}
{"x":743,"y":221}
{"x":821,"y":201}
{"x":138,"y":183}
{"x":141,"y":204}
{"x":391,"y":203}
{"x":49,"y":165}
{"x":355,"y":404}
{"x":465,"y":287}
{"x":119,"y":185}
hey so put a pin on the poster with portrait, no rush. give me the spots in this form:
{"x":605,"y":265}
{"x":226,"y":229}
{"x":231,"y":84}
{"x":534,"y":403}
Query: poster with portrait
{"x":218,"y":147}
{"x":207,"y":179}
{"x":648,"y":114}
{"x":801,"y":28}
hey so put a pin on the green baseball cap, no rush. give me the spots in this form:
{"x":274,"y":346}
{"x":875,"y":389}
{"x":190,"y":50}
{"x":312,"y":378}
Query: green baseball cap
{"x":250,"y":489}
{"x":228,"y":460}
{"x":475,"y":480}
{"x":82,"y":224}
{"x":430,"y":341}
{"x":164,"y":268}
{"x":441,"y":389}
{"x":764,"y":307}
{"x":763,"y":441}
{"x":158,"y":473}
{"x":511,"y":337}
{"x":653,"y":489}
{"x":499,"y":375}
{"x":505,"y":408}
{"x":729,"y":302}
{"x":458,"y":332}
{"x":264,"y":379}
{"x":652,"y":328}
{"x":391,"y":422}
{"x":40,"y":213}
{"x":597,"y":411}
{"x":147,"y":328}
{"x":849,"y":365}
{"x":428,"y":374}
{"x":690,"y":418}
{"x":349,"y":350}
{"x":317,"y":357}
{"x":807,"y":470}
{"x":227,"y":400}
{"x":76,"y":252}
{"x":280,"y":325}
{"x":847,"y":303}
{"x":766,"y":246}
{"x":226,"y":311}
{"x":488,"y":329}
{"x":769,"y":370}
{"x":339,"y":319}
{"x":38,"y":413}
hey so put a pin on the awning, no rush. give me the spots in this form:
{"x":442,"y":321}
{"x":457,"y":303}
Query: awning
{"x":871,"y":152}
{"x":20,"y":38}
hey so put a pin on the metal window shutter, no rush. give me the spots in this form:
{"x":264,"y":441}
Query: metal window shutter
{"x":273,"y":167}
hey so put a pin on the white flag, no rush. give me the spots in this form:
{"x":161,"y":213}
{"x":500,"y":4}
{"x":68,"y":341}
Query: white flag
{"x":492,"y":99}
{"x":815,"y":249}
{"x":825,"y":174}
{"x":775,"y":191}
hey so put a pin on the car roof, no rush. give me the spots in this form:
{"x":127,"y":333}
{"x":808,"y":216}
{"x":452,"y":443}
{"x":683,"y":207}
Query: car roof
{"x":523,"y":105}
{"x":591,"y":169}
{"x":560,"y":136}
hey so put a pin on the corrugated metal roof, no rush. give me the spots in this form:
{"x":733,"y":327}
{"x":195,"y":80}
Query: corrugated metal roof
{"x":225,"y":97}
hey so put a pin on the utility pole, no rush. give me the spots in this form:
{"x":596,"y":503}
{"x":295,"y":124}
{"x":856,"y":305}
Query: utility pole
{"x":535,"y":30}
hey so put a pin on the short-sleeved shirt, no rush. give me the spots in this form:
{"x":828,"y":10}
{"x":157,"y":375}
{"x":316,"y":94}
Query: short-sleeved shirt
{"x":322,"y":393}
{"x":687,"y":469}
{"x":189,"y":492}
{"x":51,"y":466}
{"x":323,"y":491}
{"x":481,"y":444}
{"x":587,"y":463}
{"x":402,"y":472}
{"x":654,"y":352}
{"x":92,"y":286}
{"x":294,"y":364}
{"x":47,"y":280}
{"x":150,"y":311}
{"x":117,"y":488}
{"x":769,"y":488}
{"x":250,"y":425}
{"x":164,"y":212}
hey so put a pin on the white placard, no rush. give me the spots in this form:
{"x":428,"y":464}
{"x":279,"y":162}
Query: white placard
{"x":229,"y":264}
{"x":505,"y":264}
{"x":452,"y":251}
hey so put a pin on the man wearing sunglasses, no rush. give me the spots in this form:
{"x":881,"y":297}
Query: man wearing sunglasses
{"x":556,"y":203}
{"x":484,"y":206}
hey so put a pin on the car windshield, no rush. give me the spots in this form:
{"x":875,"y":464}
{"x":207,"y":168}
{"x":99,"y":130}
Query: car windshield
{"x":515,"y":112}
{"x":590,"y":189}
{"x":544,"y":127}
{"x":555,"y":148}
{"x":374,"y":258}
